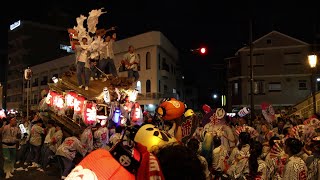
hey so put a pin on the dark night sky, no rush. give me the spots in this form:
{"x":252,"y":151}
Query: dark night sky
{"x":222,"y":26}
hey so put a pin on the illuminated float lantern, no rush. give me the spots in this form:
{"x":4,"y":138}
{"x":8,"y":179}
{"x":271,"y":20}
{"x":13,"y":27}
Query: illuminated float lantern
{"x":170,"y":109}
{"x":70,"y":98}
{"x":136,"y":116}
{"x":90,"y":113}
{"x":2,"y":114}
{"x":152,"y":137}
{"x":27,"y":74}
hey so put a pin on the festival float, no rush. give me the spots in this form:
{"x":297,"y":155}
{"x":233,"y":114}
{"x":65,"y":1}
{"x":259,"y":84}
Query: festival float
{"x":113,"y":100}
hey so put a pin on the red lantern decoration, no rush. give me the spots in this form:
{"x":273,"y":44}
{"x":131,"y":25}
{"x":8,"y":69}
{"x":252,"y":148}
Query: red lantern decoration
{"x":70,"y":98}
{"x":78,"y":104}
{"x":206,"y":108}
{"x":50,"y":98}
{"x":90,"y":113}
{"x":171,"y":109}
{"x":58,"y":101}
{"x":136,"y":114}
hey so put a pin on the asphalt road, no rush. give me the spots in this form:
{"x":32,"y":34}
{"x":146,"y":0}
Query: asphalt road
{"x":52,"y":173}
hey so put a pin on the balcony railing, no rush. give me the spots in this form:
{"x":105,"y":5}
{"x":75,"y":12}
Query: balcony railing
{"x":149,"y":96}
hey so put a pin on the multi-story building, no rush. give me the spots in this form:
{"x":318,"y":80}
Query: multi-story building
{"x":159,"y":74}
{"x":281,"y":72}
{"x":30,"y":43}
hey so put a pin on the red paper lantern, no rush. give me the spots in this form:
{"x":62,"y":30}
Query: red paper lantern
{"x":78,"y":104}
{"x":171,"y":109}
{"x":58,"y":101}
{"x":50,"y":98}
{"x":70,"y":98}
{"x":136,"y":114}
{"x":90,"y":113}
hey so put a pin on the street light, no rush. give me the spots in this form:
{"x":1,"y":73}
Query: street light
{"x":312,"y":59}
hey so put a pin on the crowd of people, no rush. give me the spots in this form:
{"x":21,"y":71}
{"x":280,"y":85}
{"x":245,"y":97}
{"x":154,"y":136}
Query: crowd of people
{"x":224,"y":148}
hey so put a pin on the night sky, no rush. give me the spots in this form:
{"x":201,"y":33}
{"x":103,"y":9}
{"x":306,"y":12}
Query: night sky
{"x":221,"y":26}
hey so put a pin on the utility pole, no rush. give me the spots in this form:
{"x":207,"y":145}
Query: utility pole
{"x":251,"y":74}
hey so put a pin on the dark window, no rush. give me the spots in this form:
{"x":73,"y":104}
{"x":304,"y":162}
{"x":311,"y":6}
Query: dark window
{"x":159,"y":59}
{"x":269,"y":41}
{"x":303,"y":85}
{"x":159,"y":86}
{"x":165,"y":88}
{"x":148,"y":86}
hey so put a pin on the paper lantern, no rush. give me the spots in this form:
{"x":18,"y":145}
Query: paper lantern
{"x":90,"y":113}
{"x":27,"y":74}
{"x":101,"y":165}
{"x":152,"y":137}
{"x":116,"y":115}
{"x":244,"y":111}
{"x":50,"y":98}
{"x":58,"y":101}
{"x":136,"y":114}
{"x":70,"y":98}
{"x":170,"y":109}
{"x":106,"y":95}
{"x":78,"y":104}
{"x":206,"y":108}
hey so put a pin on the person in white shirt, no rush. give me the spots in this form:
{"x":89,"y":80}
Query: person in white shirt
{"x":24,"y":142}
{"x":86,"y":139}
{"x":53,"y":145}
{"x":50,"y":131}
{"x":67,"y":152}
{"x":10,"y":134}
{"x":35,"y":141}
{"x":82,"y":62}
{"x":101,"y":136}
{"x":132,"y":61}
{"x":107,"y":57}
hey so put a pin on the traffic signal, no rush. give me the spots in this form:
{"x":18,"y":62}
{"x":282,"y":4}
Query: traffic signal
{"x":203,"y":50}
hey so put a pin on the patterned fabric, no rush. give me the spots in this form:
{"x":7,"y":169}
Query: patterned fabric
{"x":295,"y":169}
{"x":35,"y":136}
{"x":69,"y":147}
{"x":56,"y":141}
{"x":205,"y":165}
{"x":219,"y":155}
{"x":101,"y":137}
{"x":87,"y":139}
{"x":313,"y":164}
{"x":239,"y":162}
{"x":9,"y":134}
{"x":49,"y":135}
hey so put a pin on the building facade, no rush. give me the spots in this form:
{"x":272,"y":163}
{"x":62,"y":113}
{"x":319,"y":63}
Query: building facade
{"x":281,"y":73}
{"x":30,"y":43}
{"x":159,"y":72}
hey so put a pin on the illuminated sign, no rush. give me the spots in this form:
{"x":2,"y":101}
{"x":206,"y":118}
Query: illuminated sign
{"x":15,"y":25}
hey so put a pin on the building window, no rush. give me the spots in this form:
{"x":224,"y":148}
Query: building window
{"x":35,"y":82}
{"x":159,"y":86}
{"x":148,"y":86}
{"x":165,"y":65}
{"x":139,"y":86}
{"x":148,"y":60}
{"x":269,"y":41}
{"x":258,"y":87}
{"x":235,"y":88}
{"x":302,"y":85}
{"x":44,"y":80}
{"x":274,"y":87}
{"x":165,"y":88}
{"x":174,"y":91}
{"x":159,"y":63}
{"x":257,"y":60}
{"x":139,"y":61}
{"x":292,"y":58}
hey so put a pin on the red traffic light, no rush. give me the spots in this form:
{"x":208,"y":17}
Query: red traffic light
{"x":203,"y":50}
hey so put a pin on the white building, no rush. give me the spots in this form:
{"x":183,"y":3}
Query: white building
{"x":158,"y":69}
